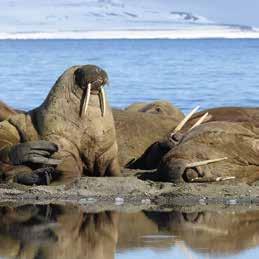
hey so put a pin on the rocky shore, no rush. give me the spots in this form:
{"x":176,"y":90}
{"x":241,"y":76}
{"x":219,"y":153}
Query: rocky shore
{"x":130,"y":193}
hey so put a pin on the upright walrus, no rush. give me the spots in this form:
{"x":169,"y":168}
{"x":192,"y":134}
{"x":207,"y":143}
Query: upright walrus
{"x":77,"y":118}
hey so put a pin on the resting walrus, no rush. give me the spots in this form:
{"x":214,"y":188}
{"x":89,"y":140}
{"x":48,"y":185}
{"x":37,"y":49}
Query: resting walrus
{"x":77,"y":118}
{"x":135,"y":129}
{"x":214,"y":151}
{"x":151,"y":158}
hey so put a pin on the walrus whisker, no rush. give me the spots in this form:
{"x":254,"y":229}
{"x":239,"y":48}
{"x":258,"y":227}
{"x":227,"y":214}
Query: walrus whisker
{"x":200,"y":121}
{"x":87,"y":98}
{"x":102,"y":101}
{"x":184,"y":121}
{"x":205,"y":162}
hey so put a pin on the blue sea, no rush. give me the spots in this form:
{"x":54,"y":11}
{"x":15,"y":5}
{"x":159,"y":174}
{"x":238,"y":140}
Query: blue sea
{"x":208,"y":73}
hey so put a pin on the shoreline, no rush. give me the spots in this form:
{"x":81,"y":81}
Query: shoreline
{"x":132,"y":34}
{"x":129,"y":193}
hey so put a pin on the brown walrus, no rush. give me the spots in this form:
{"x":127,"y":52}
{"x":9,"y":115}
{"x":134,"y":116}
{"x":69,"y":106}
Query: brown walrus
{"x":151,"y":158}
{"x":140,"y":124}
{"x":135,"y":130}
{"x":77,"y":118}
{"x":157,"y":107}
{"x":214,"y":151}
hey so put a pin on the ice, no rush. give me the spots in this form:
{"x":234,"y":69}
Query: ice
{"x":110,"y":19}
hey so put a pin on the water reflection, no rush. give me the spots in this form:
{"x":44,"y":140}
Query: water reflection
{"x":41,"y":231}
{"x":57,"y":232}
{"x":219,"y":233}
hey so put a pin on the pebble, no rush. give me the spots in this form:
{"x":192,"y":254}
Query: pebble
{"x":202,"y":201}
{"x":119,"y":201}
{"x":146,"y":201}
{"x":232,"y":202}
{"x":88,"y":200}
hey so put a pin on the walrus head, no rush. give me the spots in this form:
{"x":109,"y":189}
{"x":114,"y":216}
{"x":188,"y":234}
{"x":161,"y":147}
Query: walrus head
{"x":67,"y":102}
{"x":91,"y":80}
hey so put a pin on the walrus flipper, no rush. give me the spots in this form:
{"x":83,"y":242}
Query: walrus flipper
{"x":36,"y":152}
{"x":41,"y":176}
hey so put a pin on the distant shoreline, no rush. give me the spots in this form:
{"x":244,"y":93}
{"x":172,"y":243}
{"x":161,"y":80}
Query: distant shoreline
{"x":133,"y":34}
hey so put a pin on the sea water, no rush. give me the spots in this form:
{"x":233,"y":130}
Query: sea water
{"x":208,"y":73}
{"x":188,"y":73}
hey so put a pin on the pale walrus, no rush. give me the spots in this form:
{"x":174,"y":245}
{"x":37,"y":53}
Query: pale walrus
{"x":76,"y":119}
{"x":151,"y":158}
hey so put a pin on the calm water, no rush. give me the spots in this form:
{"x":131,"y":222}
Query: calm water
{"x":208,"y":73}
{"x":37,"y":231}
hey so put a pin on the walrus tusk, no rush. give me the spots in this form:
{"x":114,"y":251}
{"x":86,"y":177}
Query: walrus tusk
{"x":102,"y":101}
{"x":218,"y":179}
{"x":211,"y":179}
{"x":200,"y":121}
{"x":183,"y":122}
{"x":87,"y":98}
{"x":205,"y":162}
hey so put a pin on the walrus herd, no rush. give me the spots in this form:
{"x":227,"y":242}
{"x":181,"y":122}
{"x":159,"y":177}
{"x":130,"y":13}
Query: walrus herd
{"x":74,"y":132}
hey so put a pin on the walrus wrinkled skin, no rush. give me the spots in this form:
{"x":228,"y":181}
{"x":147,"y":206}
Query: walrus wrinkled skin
{"x":151,"y":158}
{"x":136,"y":130}
{"x":236,"y":142}
{"x":5,"y":111}
{"x":77,"y":118}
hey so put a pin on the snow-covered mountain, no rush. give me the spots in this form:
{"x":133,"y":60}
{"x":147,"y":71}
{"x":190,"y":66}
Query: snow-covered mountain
{"x":109,"y":19}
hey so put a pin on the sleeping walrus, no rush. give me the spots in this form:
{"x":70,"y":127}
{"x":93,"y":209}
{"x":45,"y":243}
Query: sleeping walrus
{"x":74,"y":125}
{"x":214,"y":151}
{"x":151,"y":158}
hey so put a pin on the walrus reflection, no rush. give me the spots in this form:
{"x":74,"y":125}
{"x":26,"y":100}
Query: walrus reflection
{"x":57,"y":232}
{"x":217,"y":233}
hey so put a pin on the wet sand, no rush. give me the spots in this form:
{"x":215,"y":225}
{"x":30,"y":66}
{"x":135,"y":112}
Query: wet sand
{"x":129,"y":193}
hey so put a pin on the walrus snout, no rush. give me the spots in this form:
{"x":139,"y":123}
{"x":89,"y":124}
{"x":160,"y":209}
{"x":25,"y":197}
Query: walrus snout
{"x":91,"y":79}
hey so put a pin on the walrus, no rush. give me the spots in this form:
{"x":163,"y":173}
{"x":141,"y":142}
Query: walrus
{"x":135,"y":130}
{"x":161,"y":107}
{"x":74,"y":125}
{"x":152,"y":156}
{"x":214,"y":151}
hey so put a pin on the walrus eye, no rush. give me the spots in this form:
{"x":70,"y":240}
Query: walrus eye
{"x":80,"y":78}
